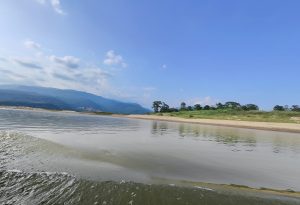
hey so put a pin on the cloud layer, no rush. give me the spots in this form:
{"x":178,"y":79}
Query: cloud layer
{"x":69,"y":72}
{"x":42,"y":69}
{"x":68,"y":61}
{"x":27,"y":63}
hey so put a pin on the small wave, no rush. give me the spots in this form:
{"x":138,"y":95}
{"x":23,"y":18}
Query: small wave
{"x":17,"y":187}
{"x":204,"y":188}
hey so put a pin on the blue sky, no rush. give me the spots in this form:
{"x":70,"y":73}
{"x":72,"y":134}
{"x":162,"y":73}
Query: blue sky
{"x":140,"y":51}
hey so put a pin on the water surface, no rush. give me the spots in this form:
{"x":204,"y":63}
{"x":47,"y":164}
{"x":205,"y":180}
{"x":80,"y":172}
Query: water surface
{"x":121,"y":161}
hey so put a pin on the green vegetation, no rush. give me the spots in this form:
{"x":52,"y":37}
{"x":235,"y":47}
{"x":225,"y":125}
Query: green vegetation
{"x":230,"y":111}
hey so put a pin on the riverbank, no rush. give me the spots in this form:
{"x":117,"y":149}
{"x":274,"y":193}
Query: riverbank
{"x":273,"y":126}
{"x":33,"y":109}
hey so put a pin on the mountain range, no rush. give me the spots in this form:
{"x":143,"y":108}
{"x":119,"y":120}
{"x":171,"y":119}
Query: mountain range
{"x":59,"y":99}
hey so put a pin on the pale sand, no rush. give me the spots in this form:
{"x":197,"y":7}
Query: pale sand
{"x":284,"y":127}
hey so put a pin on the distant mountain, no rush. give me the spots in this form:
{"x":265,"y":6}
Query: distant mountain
{"x":52,"y":98}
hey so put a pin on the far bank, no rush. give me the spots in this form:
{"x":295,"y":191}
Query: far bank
{"x":273,"y":126}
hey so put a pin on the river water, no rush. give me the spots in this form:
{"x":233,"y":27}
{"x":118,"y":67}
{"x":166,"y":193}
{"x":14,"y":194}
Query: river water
{"x":70,"y":158}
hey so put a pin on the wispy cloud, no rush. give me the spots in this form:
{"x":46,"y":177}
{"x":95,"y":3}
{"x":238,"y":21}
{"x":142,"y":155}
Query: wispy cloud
{"x":55,"y":4}
{"x":69,"y":72}
{"x":57,"y":7}
{"x":11,"y":73}
{"x":28,"y":63}
{"x":32,"y":45}
{"x":68,"y":61}
{"x":114,"y":59}
{"x":3,"y":59}
{"x":53,"y":71}
{"x":63,"y":77}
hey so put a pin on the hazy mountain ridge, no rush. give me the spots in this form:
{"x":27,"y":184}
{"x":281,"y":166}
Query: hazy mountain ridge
{"x":52,"y":98}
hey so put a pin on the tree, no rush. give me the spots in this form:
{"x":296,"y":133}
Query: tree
{"x":213,"y":108}
{"x":189,"y":108}
{"x":173,"y":110}
{"x":250,"y":107}
{"x":295,"y":108}
{"x":156,"y":106}
{"x":232,"y":105}
{"x":220,"y":106}
{"x":164,"y":107}
{"x":197,"y":107}
{"x":206,"y":107}
{"x":278,"y":108}
{"x":183,"y":106}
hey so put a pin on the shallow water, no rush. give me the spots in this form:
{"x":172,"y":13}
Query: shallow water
{"x":51,"y":158}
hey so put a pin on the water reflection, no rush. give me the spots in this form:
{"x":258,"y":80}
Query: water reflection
{"x":159,"y":128}
{"x":245,"y":139}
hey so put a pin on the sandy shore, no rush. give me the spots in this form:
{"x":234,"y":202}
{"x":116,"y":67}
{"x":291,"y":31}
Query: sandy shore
{"x":273,"y":126}
{"x":283,"y":127}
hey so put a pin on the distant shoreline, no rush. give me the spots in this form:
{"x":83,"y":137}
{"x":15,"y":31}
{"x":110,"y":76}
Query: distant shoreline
{"x":34,"y":109}
{"x":271,"y":126}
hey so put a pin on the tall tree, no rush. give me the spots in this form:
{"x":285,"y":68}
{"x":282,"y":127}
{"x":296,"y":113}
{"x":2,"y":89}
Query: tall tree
{"x":278,"y":108}
{"x":250,"y":107}
{"x":183,"y":106}
{"x":164,"y":107}
{"x":156,"y":106}
{"x":197,"y":107}
{"x":233,"y":105}
{"x":206,"y":107}
{"x":219,"y":106}
{"x":189,"y":108}
{"x":295,"y":108}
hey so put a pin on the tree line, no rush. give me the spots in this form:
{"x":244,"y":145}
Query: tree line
{"x":295,"y":108}
{"x":159,"y":106}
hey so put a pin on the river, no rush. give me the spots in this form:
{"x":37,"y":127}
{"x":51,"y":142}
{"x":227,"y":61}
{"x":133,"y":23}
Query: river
{"x":71,"y":158}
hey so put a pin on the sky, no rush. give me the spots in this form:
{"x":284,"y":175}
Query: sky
{"x":197,"y":51}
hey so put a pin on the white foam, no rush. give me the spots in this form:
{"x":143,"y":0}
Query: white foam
{"x":204,"y":188}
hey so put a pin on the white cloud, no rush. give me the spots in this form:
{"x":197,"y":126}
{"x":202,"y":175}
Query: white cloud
{"x":114,"y":59}
{"x":32,"y":45}
{"x":43,"y":71}
{"x":68,"y":61}
{"x":58,"y":72}
{"x":164,"y":66}
{"x":55,"y":4}
{"x":27,"y":63}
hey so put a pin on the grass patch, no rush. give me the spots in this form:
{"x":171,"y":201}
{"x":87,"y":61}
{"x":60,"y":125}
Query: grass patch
{"x":240,"y":115}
